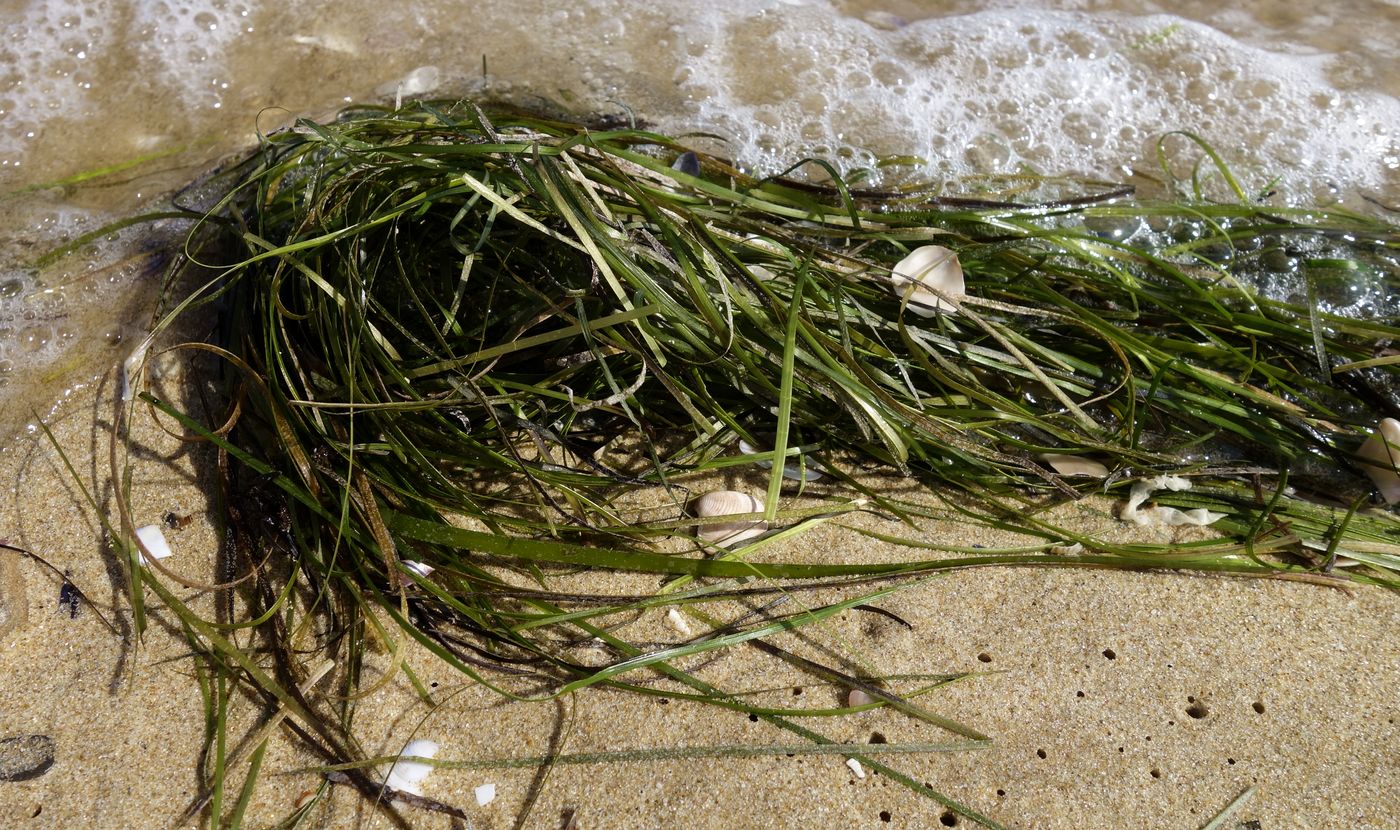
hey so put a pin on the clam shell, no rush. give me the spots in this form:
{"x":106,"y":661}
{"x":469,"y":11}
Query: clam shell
{"x":1071,"y":466}
{"x":1383,"y":449}
{"x":856,"y":697}
{"x":929,"y":266}
{"x":725,"y":503}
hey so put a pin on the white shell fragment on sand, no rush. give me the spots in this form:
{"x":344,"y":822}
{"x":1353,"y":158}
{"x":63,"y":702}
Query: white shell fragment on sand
{"x":856,"y":697}
{"x":792,"y":470}
{"x":1072,"y":466}
{"x":929,"y":267}
{"x":856,"y":767}
{"x":485,"y":794}
{"x":1383,"y":449}
{"x":1161,"y":514}
{"x":153,"y":539}
{"x":407,"y":776}
{"x":677,"y":621}
{"x":726,"y":503}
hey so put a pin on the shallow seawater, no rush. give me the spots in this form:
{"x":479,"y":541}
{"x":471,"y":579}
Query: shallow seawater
{"x":1302,"y":101}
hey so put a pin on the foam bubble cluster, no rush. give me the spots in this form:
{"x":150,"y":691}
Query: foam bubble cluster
{"x":1003,"y":91}
{"x":1000,"y":89}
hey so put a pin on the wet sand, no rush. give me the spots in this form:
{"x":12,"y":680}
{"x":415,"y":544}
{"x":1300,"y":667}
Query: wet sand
{"x":1114,"y":699}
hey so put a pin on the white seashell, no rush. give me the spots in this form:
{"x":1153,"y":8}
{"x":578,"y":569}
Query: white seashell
{"x":856,"y":767}
{"x":929,"y":266}
{"x":1383,"y":448}
{"x":485,"y":794}
{"x":154,"y":541}
{"x":419,"y":568}
{"x":1071,"y":466}
{"x":677,"y":621}
{"x":856,"y":697}
{"x":791,"y":470}
{"x":407,"y":776}
{"x":726,"y":503}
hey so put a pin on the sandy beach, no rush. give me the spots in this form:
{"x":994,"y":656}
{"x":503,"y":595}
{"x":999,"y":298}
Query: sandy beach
{"x":1138,"y":700}
{"x":1113,"y":699}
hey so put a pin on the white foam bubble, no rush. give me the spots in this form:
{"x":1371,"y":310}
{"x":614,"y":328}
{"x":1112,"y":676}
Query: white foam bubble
{"x":1057,"y":92}
{"x":989,"y":86}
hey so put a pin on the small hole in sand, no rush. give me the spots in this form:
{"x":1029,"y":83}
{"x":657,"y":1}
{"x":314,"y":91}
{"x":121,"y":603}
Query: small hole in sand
{"x":1079,"y":693}
{"x":1259,"y":707}
{"x":797,"y":691}
{"x":753,"y":718}
{"x":985,"y":657}
{"x":1197,"y":709}
{"x":884,"y":815}
{"x":948,"y":820}
{"x":1001,"y":793}
{"x":1040,"y":753}
{"x":1156,"y":773}
{"x":663,"y":701}
{"x":1110,"y":654}
{"x":878,"y":738}
{"x":1230,"y":761}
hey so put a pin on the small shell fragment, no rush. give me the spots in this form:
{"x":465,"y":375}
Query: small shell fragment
{"x":725,"y":503}
{"x":407,"y":776}
{"x":856,"y":697}
{"x":929,"y":267}
{"x":792,"y":470}
{"x":677,"y":621}
{"x":423,"y":570}
{"x":1383,"y":449}
{"x":154,"y":541}
{"x":1071,"y":466}
{"x":856,"y":767}
{"x":485,"y":794}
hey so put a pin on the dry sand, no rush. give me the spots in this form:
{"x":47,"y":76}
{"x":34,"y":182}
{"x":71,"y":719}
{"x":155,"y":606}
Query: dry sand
{"x":1114,"y":699}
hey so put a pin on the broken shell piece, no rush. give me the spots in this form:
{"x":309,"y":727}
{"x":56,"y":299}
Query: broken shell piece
{"x":419,"y":568}
{"x":677,"y":621}
{"x":929,"y":267}
{"x":856,"y":767}
{"x":726,"y":503}
{"x":1072,"y":466}
{"x":856,"y":697}
{"x":1383,"y":449}
{"x":485,"y":794}
{"x":407,"y":776}
{"x":154,"y":541}
{"x":792,"y":470}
